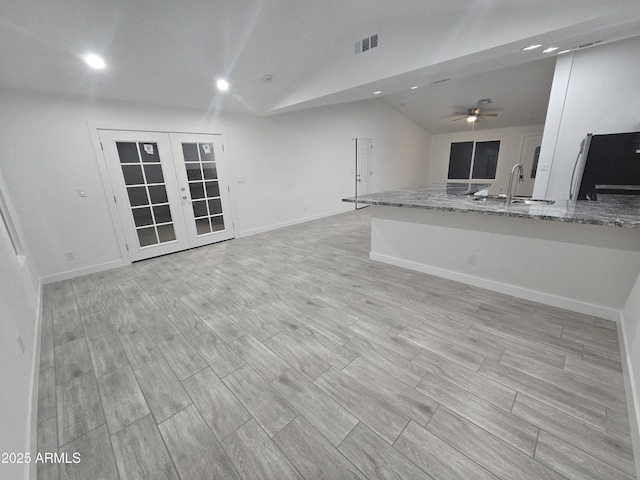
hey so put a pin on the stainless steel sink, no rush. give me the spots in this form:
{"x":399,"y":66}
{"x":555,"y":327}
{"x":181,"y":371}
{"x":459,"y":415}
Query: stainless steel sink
{"x":522,"y":200}
{"x":532,"y":201}
{"x":490,"y":198}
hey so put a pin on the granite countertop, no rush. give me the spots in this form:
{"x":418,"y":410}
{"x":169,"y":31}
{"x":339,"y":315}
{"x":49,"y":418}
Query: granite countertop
{"x":612,"y":210}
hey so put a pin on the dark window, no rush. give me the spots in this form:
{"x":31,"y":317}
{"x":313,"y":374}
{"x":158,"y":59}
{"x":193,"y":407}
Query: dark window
{"x":485,"y":160}
{"x":477,"y":160}
{"x":460,"y":160}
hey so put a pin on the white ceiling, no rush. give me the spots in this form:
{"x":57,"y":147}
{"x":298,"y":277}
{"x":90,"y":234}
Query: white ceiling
{"x":170,"y":52}
{"x":518,"y":94}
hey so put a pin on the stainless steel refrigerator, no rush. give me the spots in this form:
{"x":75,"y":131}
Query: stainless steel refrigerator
{"x":608,"y":164}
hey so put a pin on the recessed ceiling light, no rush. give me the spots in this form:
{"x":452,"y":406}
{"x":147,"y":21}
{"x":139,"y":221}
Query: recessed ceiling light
{"x":532,"y":47}
{"x":94,"y":61}
{"x":564,"y":51}
{"x":377,"y":92}
{"x":222,"y":85}
{"x":549,"y":50}
{"x":414,"y":87}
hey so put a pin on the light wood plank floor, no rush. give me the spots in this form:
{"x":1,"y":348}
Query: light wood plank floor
{"x":291,"y":355}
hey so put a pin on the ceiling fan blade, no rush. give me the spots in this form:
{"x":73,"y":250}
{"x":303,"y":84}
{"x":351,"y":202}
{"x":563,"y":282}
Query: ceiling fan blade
{"x":466,"y":114}
{"x":459,"y":118}
{"x":487,"y":114}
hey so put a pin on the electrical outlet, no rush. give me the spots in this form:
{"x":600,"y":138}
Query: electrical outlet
{"x":69,"y":255}
{"x":472,"y":259}
{"x":20,"y":343}
{"x":241,"y":179}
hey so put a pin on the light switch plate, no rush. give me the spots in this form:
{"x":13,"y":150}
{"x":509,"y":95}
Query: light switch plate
{"x":82,"y":192}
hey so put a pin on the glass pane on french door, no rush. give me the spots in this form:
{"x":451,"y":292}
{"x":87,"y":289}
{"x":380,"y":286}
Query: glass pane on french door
{"x":147,"y":192}
{"x":202,"y":175}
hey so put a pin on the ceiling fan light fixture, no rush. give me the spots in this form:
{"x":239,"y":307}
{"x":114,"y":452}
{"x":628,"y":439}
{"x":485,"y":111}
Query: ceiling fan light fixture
{"x":95,"y":61}
{"x":471,"y":118}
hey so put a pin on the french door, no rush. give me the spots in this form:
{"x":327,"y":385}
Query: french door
{"x":170,"y":189}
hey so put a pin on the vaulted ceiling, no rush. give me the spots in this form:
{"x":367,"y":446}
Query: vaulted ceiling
{"x":171,"y":52}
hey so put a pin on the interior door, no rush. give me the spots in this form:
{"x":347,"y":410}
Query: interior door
{"x":201,"y":174}
{"x":143,"y":180}
{"x":363,"y":168}
{"x":529,"y":159}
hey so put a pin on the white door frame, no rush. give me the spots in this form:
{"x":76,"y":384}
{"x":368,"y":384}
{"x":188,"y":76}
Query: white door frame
{"x":104,"y":175}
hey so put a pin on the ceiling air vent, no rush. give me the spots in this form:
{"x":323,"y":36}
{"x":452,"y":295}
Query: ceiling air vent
{"x":367,"y":43}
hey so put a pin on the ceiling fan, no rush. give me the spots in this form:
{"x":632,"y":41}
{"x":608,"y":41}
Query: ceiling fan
{"x":473,"y":115}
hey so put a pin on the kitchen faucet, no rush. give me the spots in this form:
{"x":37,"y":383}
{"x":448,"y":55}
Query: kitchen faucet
{"x":517,"y":166}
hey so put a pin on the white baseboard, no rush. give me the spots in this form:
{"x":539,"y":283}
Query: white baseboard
{"x":514,"y":290}
{"x":631,"y":390}
{"x":69,"y":274}
{"x":275,"y":226}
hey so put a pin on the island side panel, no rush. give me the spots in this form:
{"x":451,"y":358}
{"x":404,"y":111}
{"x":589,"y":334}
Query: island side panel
{"x":585,"y":268}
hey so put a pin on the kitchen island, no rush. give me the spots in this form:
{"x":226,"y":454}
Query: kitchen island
{"x":583,"y":256}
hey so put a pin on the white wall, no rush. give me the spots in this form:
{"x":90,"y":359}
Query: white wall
{"x":306,"y":159}
{"x":291,"y":162}
{"x":510,"y":148}
{"x":594,"y":91}
{"x":19,"y":306}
